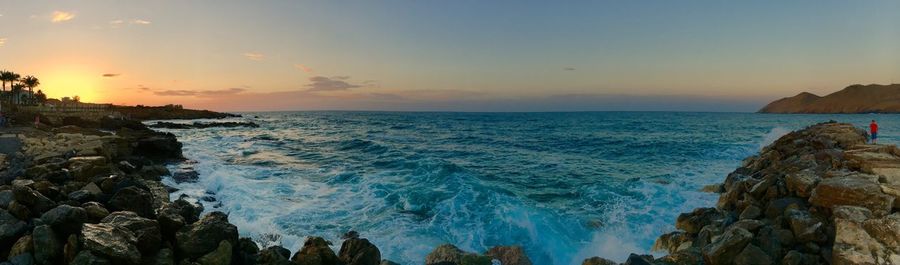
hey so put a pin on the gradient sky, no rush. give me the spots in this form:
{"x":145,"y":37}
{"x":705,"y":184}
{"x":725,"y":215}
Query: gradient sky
{"x":450,"y":55}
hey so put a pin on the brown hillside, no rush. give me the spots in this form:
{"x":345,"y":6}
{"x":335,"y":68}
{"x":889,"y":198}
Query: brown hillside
{"x":853,"y":99}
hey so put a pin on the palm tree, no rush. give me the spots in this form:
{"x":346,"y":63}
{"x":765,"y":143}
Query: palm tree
{"x":31,"y":82}
{"x":14,"y":91}
{"x":12,"y":78}
{"x":5,"y":76}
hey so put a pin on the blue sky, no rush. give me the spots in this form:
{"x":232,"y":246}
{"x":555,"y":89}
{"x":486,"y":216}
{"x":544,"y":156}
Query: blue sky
{"x":451,"y":55}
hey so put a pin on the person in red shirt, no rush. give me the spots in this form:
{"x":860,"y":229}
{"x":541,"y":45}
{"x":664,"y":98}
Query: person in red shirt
{"x":873,"y":130}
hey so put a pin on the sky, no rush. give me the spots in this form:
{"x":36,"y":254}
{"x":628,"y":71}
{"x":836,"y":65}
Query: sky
{"x":450,"y":55}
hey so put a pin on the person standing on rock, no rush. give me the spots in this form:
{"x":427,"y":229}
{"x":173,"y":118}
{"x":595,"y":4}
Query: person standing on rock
{"x":873,"y":130}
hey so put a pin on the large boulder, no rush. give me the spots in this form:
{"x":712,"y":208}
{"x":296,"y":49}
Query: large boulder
{"x":855,"y":190}
{"x":222,"y":255}
{"x":509,"y":255}
{"x":48,"y":247}
{"x":723,"y":249}
{"x":694,"y":221}
{"x":315,"y":251}
{"x":358,"y":251}
{"x":274,"y":255}
{"x":873,"y":241}
{"x":65,"y":219}
{"x":85,"y":257}
{"x":598,"y":261}
{"x":205,"y":235}
{"x":752,"y":255}
{"x":113,"y":241}
{"x":23,"y":245}
{"x":133,"y":199}
{"x":10,"y":228}
{"x":36,"y":201}
{"x":146,"y":231}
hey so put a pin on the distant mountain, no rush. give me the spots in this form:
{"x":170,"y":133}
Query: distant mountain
{"x":853,"y":99}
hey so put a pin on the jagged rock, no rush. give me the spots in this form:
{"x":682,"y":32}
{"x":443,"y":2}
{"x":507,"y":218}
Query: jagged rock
{"x":164,"y":256}
{"x":133,"y":199}
{"x":635,"y":259}
{"x":776,"y":207}
{"x":852,"y":190}
{"x":356,"y":251}
{"x":873,"y":241}
{"x":87,"y":258}
{"x":805,"y":227}
{"x":853,"y":213}
{"x":315,"y":251}
{"x":671,"y":241}
{"x":19,"y":210}
{"x":23,"y":245}
{"x":696,"y":220}
{"x":752,"y":255}
{"x":10,"y":228}
{"x":802,"y":183}
{"x":146,"y":231}
{"x":723,"y":249}
{"x":48,"y":248}
{"x":113,"y":241}
{"x":204,"y":236}
{"x":509,"y":255}
{"x":748,"y":224}
{"x":793,"y":257}
{"x":222,"y":255}
{"x":246,"y":252}
{"x":751,"y":212}
{"x":66,"y":219}
{"x":274,"y":255}
{"x":95,"y":211}
{"x":70,"y":250}
{"x":185,"y":175}
{"x":444,"y":254}
{"x":36,"y":201}
{"x":598,"y":261}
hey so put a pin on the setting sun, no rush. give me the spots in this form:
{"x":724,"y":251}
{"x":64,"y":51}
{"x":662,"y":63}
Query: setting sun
{"x":70,"y":81}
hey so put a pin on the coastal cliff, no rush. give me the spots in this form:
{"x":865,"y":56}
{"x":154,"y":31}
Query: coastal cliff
{"x":852,"y":99}
{"x":85,"y":196}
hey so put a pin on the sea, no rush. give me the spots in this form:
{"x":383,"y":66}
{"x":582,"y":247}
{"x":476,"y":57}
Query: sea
{"x":564,"y":186}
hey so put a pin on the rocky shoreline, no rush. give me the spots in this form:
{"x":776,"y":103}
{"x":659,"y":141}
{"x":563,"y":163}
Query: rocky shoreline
{"x":94,"y":196}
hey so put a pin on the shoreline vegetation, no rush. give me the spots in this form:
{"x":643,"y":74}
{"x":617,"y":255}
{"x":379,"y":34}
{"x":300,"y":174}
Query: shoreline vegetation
{"x":89,"y":191}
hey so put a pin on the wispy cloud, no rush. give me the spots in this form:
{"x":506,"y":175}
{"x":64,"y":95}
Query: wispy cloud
{"x":303,"y":68}
{"x":117,"y":22}
{"x":569,"y":68}
{"x":200,"y":93}
{"x":140,"y":22}
{"x":2,"y":41}
{"x":111,"y":75}
{"x":335,"y":83}
{"x":61,"y":16}
{"x":254,"y":56}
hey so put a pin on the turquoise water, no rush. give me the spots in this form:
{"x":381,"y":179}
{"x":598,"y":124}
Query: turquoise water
{"x":565,"y":186}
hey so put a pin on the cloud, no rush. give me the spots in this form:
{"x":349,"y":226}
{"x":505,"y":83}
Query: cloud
{"x":116,"y":22}
{"x":111,"y":75}
{"x":569,"y":68}
{"x":142,"y":87}
{"x":2,"y":41}
{"x":200,"y":93}
{"x":303,"y":68}
{"x":139,"y":22}
{"x":335,"y":83}
{"x":61,"y":16}
{"x":254,"y":56}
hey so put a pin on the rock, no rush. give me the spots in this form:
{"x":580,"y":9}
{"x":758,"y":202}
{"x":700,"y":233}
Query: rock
{"x":95,"y":211}
{"x":222,"y":255}
{"x":159,"y":147}
{"x":635,"y":259}
{"x":852,"y":190}
{"x":23,"y":245}
{"x":189,"y":211}
{"x":671,"y":241}
{"x":113,"y":241}
{"x":315,"y":251}
{"x":133,"y":199}
{"x":805,"y":227}
{"x":388,"y":262}
{"x":10,"y":228}
{"x":146,"y":231}
{"x":723,"y":249}
{"x":164,"y":256}
{"x":204,"y":236}
{"x":793,"y":257}
{"x":853,"y":213}
{"x":696,"y":220}
{"x":185,"y":175}
{"x":751,"y":212}
{"x":509,"y":255}
{"x":802,"y":183}
{"x":22,"y":259}
{"x":247,"y":252}
{"x":752,"y":255}
{"x":776,"y":207}
{"x":65,"y":219}
{"x":274,"y":255}
{"x":70,"y":250}
{"x":6,"y":197}
{"x":48,"y":248}
{"x":444,"y":254}
{"x":748,"y":224}
{"x":36,"y":201}
{"x":87,"y":258}
{"x":356,"y":251}
{"x":598,"y":261}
